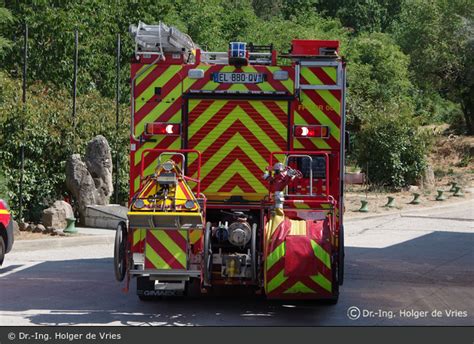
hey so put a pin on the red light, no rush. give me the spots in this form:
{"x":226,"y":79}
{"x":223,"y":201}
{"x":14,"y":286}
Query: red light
{"x":156,"y":128}
{"x":311,"y":131}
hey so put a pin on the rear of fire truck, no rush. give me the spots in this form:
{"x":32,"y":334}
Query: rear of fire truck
{"x":236,"y":166}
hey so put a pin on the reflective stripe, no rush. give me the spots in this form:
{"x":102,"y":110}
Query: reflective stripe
{"x":322,"y":255}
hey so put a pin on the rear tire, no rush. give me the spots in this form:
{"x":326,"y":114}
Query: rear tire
{"x":207,"y":259}
{"x":120,"y":252}
{"x":341,"y":254}
{"x":2,"y":250}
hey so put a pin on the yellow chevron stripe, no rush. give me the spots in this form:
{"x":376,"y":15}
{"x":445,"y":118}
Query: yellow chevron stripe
{"x":322,"y":281}
{"x":138,"y":235}
{"x":322,"y":255}
{"x":321,"y":116}
{"x":310,"y":77}
{"x":235,"y":167}
{"x":318,"y":142}
{"x":331,"y":100}
{"x":152,"y":145}
{"x":331,"y":72}
{"x":153,"y":257}
{"x":236,"y":141}
{"x":159,"y":109}
{"x":4,"y":211}
{"x":275,"y":256}
{"x":188,"y":82}
{"x":195,"y":236}
{"x":176,"y":251}
{"x":225,"y":124}
{"x":289,"y":84}
{"x":158,"y":82}
{"x":299,"y":287}
{"x":276,"y":281}
{"x":144,"y":75}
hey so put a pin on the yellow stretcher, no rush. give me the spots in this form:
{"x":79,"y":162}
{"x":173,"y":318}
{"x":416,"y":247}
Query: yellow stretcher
{"x":165,"y":201}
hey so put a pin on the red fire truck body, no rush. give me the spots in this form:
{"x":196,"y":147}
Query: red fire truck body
{"x":236,"y":168}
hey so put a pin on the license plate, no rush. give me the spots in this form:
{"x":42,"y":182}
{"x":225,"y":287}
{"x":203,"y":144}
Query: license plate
{"x":238,"y":78}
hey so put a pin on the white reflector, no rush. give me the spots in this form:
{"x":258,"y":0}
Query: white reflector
{"x":196,"y":74}
{"x":280,"y":75}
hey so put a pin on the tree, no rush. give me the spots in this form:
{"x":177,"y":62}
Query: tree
{"x":378,"y":78}
{"x":6,"y":18}
{"x":362,"y":15}
{"x":438,"y":37}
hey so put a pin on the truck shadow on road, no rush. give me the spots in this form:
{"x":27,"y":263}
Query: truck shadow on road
{"x":83,"y":291}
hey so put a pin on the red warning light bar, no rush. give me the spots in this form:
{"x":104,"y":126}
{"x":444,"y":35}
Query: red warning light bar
{"x":311,"y":131}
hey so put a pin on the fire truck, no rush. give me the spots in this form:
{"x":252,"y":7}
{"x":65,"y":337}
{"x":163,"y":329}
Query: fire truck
{"x":236,"y":168}
{"x":6,"y":230}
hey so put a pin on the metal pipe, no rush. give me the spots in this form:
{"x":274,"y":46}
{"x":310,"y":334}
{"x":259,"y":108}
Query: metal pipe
{"x":117,"y":115}
{"x":74,"y":80}
{"x":25,"y":64}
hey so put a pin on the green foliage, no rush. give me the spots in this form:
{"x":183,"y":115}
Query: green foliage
{"x":6,"y":18}
{"x":391,"y":151}
{"x":378,"y":78}
{"x":438,"y":35}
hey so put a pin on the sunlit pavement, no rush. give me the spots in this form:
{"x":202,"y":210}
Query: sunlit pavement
{"x":410,"y":269}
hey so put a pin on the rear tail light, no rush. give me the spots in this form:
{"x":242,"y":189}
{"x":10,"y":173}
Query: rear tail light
{"x":171,"y":129}
{"x":311,"y":131}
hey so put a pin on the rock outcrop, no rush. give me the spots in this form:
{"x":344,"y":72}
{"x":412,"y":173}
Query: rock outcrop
{"x":90,"y":180}
{"x":56,"y":215}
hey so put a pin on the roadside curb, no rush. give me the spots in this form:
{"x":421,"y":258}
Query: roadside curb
{"x":41,"y":244}
{"x":408,"y":211}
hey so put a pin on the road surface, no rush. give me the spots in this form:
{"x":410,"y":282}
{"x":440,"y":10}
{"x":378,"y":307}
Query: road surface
{"x":411,"y":269}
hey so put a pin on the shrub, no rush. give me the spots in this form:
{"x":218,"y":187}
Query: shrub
{"x":391,"y":151}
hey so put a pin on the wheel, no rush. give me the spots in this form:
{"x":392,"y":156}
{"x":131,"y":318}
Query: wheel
{"x":253,"y":252}
{"x":120,"y":252}
{"x":207,"y":261}
{"x":340,"y":265}
{"x":2,"y":250}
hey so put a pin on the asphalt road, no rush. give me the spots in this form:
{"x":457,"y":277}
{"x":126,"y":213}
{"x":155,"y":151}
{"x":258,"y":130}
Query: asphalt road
{"x":411,"y":269}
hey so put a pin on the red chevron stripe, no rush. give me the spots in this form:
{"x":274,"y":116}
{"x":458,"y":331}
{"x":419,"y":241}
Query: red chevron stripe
{"x":151,"y":78}
{"x":316,"y":287}
{"x":275,"y":269}
{"x":202,"y":82}
{"x":152,"y":103}
{"x":237,"y":127}
{"x":178,"y":239}
{"x":236,"y":154}
{"x":335,"y":93}
{"x":325,"y":107}
{"x":165,"y":115}
{"x":225,"y":110}
{"x":199,"y":109}
{"x":163,"y":252}
{"x":249,"y":110}
{"x":237,"y":180}
{"x":322,"y":75}
{"x":276,"y":84}
{"x":284,"y":286}
{"x":310,"y":119}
